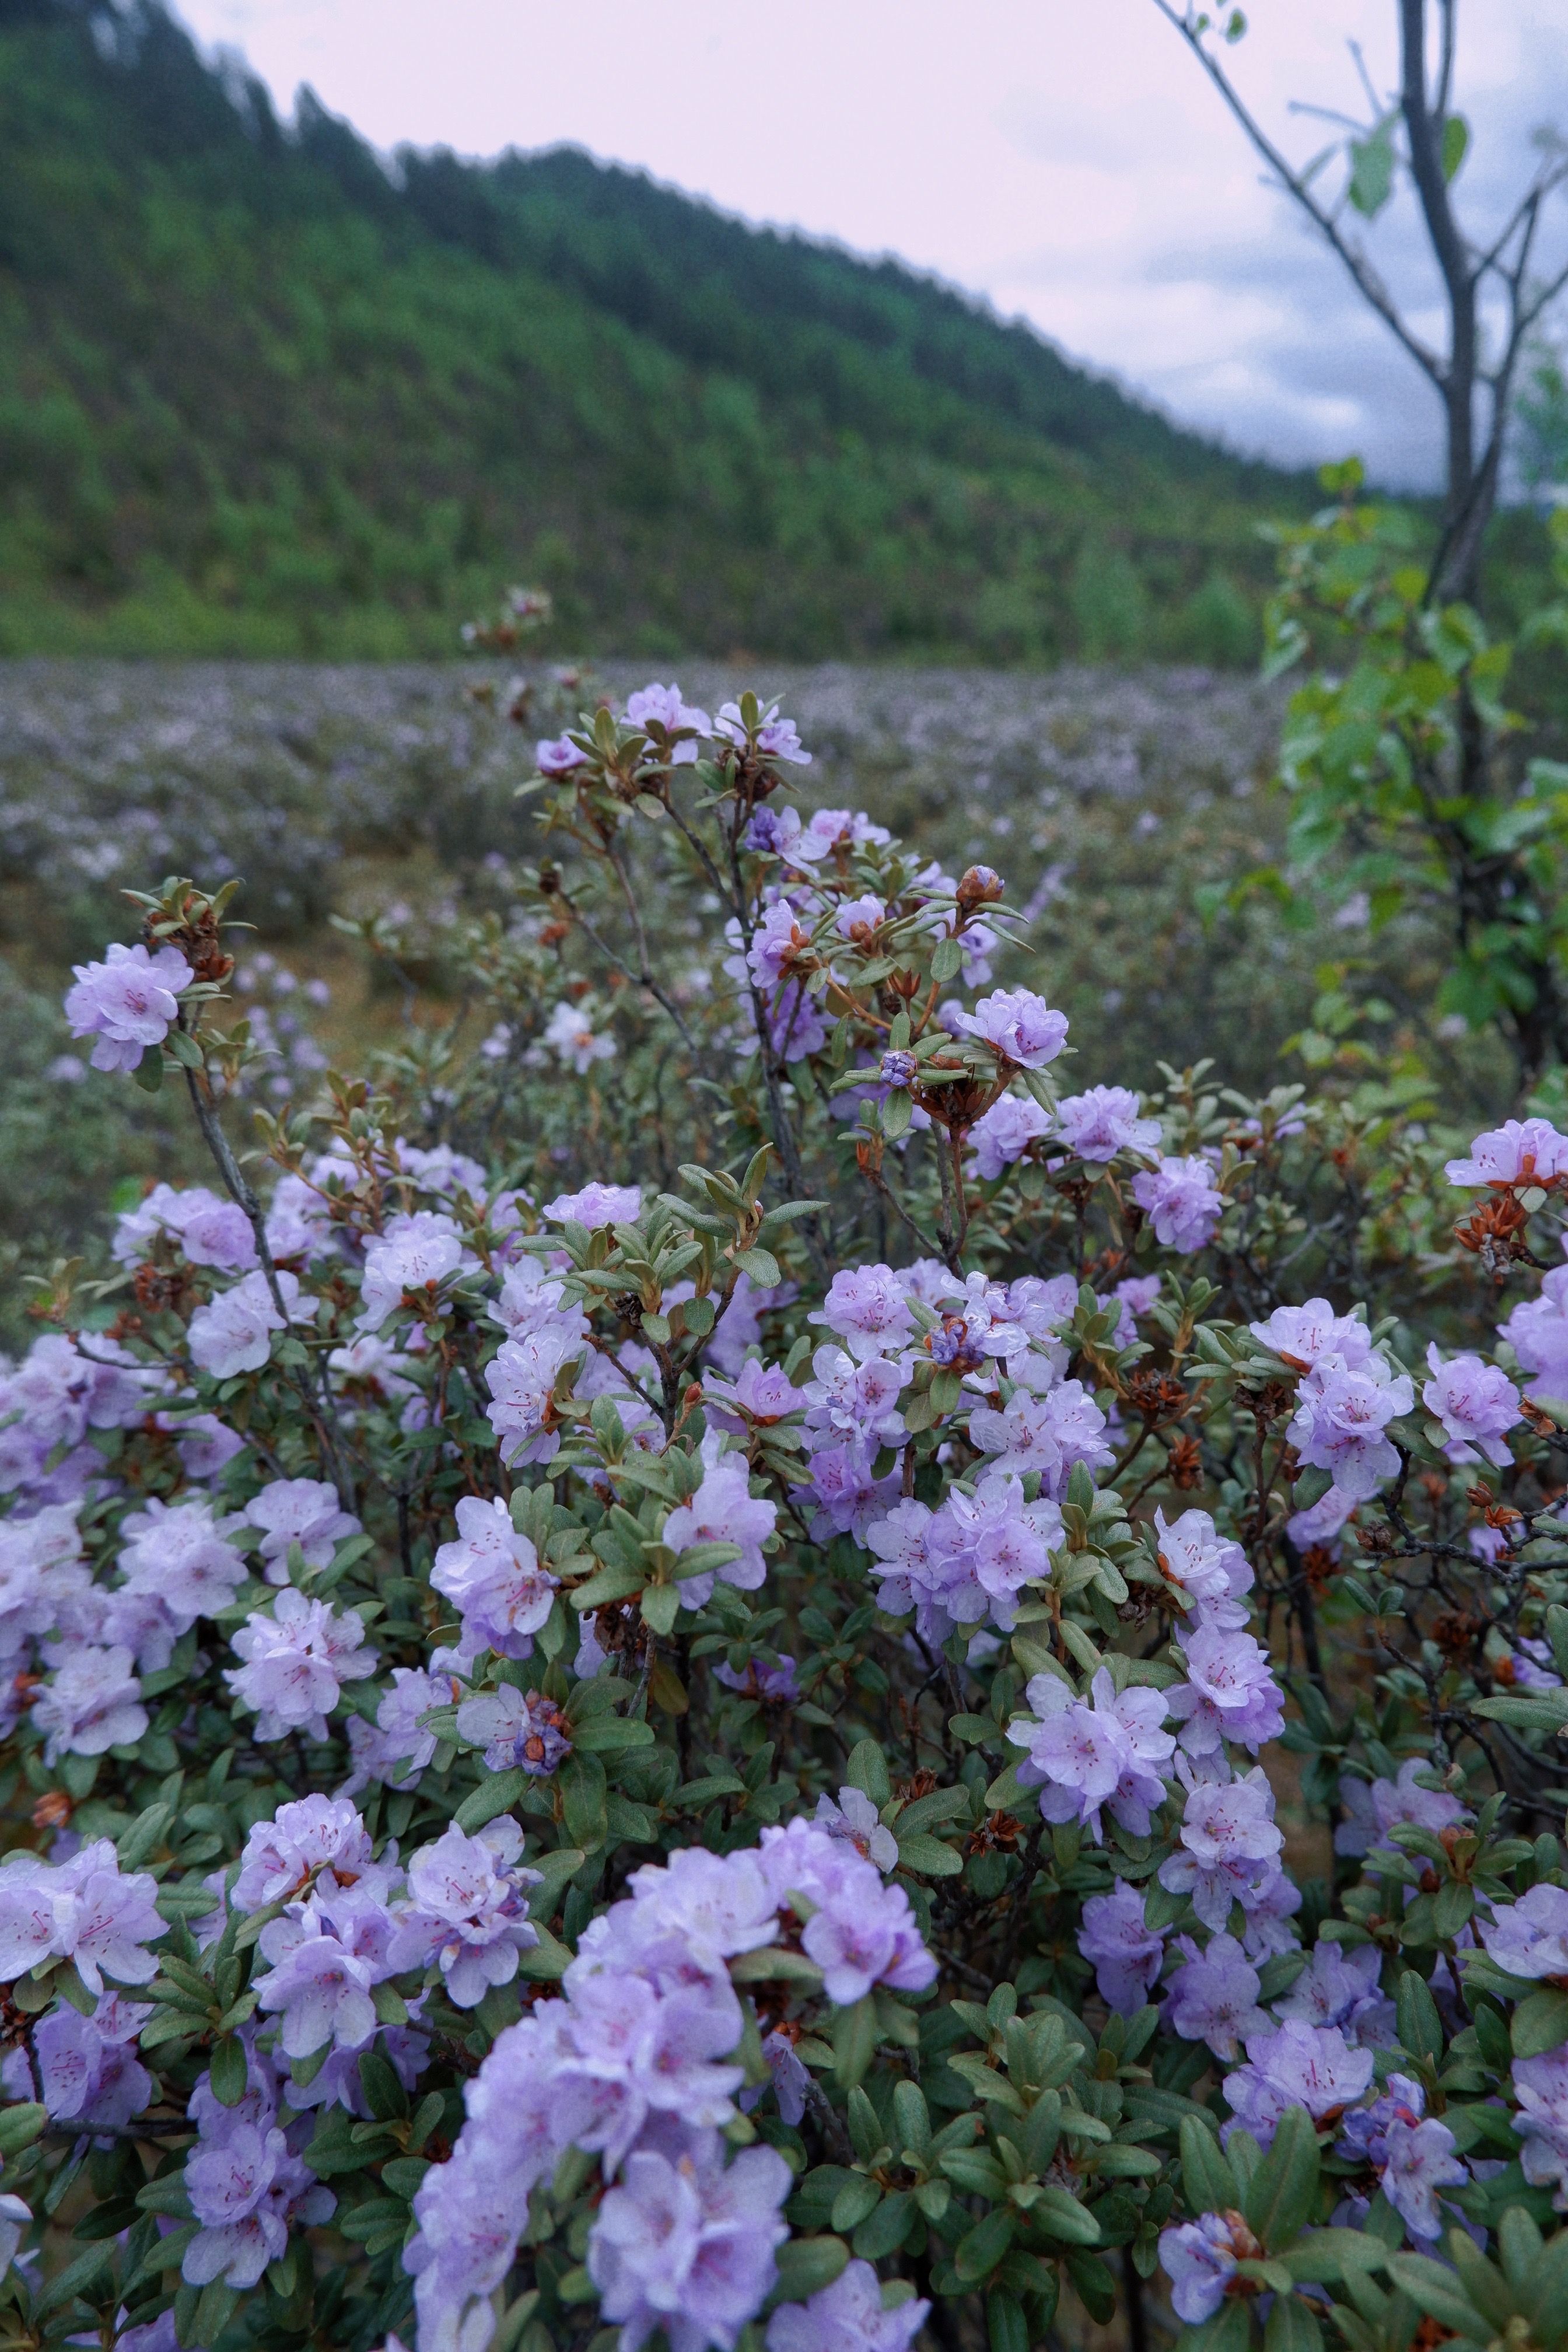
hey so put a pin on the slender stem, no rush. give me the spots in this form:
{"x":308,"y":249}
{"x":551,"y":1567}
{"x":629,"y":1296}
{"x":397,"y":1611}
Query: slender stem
{"x":323,"y":1411}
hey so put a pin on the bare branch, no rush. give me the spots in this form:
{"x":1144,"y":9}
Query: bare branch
{"x":1368,"y":283}
{"x":1449,"y":12}
{"x":1378,"y":106}
{"x":1546,"y":184}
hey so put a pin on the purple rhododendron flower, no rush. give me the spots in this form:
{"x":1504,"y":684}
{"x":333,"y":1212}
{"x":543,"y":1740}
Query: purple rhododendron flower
{"x":1300,"y":2066}
{"x":778,"y":944}
{"x":846,"y":2316}
{"x":686,"y":2243}
{"x":777,"y":739}
{"x":1199,"y":2257}
{"x":867,"y":1308}
{"x":1213,"y":1996}
{"x":1182,"y":1200}
{"x":296,"y":1658}
{"x":847,"y":1494}
{"x":1372,"y":1810}
{"x":84,"y":1909}
{"x":1047,"y":1433}
{"x":1340,"y":1419}
{"x":302,"y":1511}
{"x":856,"y":1819}
{"x":1210,"y":1569}
{"x":724,"y":1511}
{"x":88,"y":2067}
{"x":1537,"y":1331}
{"x":93,"y":1701}
{"x":128,"y":1003}
{"x":1229,"y":1693}
{"x":1415,"y":2157}
{"x":596,"y":1205}
{"x":1086,"y":1753}
{"x":1104,"y":1121}
{"x":495,"y":1579}
{"x":1021,"y":1025}
{"x":519,"y":1730}
{"x":1529,"y":1937}
{"x":233,"y":1332}
{"x":467,"y":1911}
{"x":412,"y":1253}
{"x":1005,"y":1133}
{"x":557,"y":755}
{"x":1229,"y":1841}
{"x":1127,"y":1955}
{"x":1341,"y":1988}
{"x":1520,"y":1151}
{"x":662,"y":706}
{"x":1305,"y":1335}
{"x":1476,"y":1402}
{"x":1541,"y":2123}
{"x":210,"y":1230}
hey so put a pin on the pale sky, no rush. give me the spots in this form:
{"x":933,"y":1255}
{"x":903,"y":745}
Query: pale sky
{"x":1066,"y":161}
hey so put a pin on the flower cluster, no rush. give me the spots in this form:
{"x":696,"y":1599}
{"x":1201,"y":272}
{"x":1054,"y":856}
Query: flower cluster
{"x":675,"y":1707}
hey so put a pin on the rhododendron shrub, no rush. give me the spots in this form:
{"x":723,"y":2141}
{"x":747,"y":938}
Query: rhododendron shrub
{"x":863,"y":1686}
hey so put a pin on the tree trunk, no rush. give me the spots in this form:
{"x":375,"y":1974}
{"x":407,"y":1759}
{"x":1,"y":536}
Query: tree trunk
{"x":1470,"y":497}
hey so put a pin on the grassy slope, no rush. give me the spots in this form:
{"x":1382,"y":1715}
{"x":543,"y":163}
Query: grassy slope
{"x":254,"y":398}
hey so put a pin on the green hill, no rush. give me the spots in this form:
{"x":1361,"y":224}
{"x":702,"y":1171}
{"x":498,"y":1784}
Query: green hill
{"x":258,"y":395}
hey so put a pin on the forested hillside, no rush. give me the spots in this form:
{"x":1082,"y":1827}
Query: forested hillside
{"x":259,"y":394}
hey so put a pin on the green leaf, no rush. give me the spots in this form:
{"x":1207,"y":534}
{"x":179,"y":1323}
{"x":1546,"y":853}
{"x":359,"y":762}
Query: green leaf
{"x":662,"y":1607}
{"x":928,"y":1857}
{"x":1371,"y":169}
{"x":497,"y":1793}
{"x":1292,"y":2327}
{"x":1456,"y":144}
{"x":1005,"y":2326}
{"x":1095,"y":2282}
{"x":762,"y":1266}
{"x":806,"y":2264}
{"x":1061,"y":2216}
{"x":230,"y":2074}
{"x":980,"y":2251}
{"x":1208,"y":2183}
{"x":1284,"y":2189}
{"x":133,"y":1845}
{"x":21,"y":2124}
{"x":545,"y":1961}
{"x":868,"y":1771}
{"x":581,"y":1781}
{"x":1540,"y":2024}
{"x":946,"y":959}
{"x":859,"y":2198}
{"x":854,"y":2040}
{"x":149,"y":1071}
{"x":79,"y":2277}
{"x":605,"y":1733}
{"x":1435,"y":2289}
{"x":1325,"y":2256}
{"x":1420,"y":2028}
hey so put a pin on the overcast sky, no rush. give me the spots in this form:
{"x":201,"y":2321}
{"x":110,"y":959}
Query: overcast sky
{"x":1064,"y":158}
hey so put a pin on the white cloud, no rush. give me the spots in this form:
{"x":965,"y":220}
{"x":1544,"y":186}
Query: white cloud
{"x":1071,"y":164}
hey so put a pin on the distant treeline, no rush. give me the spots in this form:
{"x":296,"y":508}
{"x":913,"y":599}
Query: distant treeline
{"x":259,"y":395}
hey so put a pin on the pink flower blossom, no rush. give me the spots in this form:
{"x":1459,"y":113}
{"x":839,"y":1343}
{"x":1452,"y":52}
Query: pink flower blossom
{"x":1182,"y":1200}
{"x":1520,"y":1151}
{"x":1022,"y":1027}
{"x":1476,"y":1402}
{"x":129,"y":1003}
{"x":596,"y":1205}
{"x":233,"y":1332}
